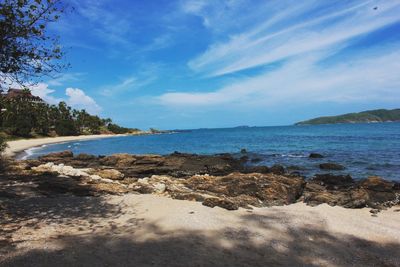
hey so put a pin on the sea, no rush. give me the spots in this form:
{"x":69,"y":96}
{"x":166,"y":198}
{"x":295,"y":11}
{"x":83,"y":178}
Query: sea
{"x":364,"y":149}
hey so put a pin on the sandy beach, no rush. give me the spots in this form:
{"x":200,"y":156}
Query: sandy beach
{"x":57,"y":220}
{"x":148,"y":230}
{"x":17,"y":146}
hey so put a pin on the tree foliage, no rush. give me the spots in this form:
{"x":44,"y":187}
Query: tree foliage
{"x":27,"y":50}
{"x":31,"y":118}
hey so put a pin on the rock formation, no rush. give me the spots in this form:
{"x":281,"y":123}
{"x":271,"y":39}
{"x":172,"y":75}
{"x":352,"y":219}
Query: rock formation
{"x":218,"y":180}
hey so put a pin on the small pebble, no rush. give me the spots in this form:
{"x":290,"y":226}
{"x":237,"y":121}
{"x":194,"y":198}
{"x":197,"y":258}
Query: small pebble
{"x":374,"y":211}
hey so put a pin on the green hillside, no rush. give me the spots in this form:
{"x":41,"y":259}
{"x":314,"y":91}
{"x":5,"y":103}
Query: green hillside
{"x":378,"y":115}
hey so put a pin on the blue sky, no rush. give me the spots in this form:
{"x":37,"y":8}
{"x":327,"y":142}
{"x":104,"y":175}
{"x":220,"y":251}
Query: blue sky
{"x":194,"y":63}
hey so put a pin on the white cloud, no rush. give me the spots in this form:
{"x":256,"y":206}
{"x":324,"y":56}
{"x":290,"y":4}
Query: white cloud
{"x":290,"y":34}
{"x":76,"y":98}
{"x":368,"y":77}
{"x":43,"y":91}
{"x":79,"y":100}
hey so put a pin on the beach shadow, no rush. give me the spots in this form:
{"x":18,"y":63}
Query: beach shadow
{"x":229,"y":247}
{"x":33,"y":200}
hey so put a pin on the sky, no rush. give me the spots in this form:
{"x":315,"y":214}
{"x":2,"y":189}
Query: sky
{"x":188,"y":64}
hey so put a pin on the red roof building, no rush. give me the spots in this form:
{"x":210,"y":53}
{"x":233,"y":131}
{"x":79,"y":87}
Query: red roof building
{"x":13,"y":94}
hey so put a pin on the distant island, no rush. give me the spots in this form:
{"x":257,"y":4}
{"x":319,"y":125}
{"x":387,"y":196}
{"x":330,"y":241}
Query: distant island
{"x":369,"y":116}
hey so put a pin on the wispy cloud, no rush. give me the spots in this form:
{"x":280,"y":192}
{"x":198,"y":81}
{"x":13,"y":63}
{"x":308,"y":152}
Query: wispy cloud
{"x":281,"y":36}
{"x":365,"y":78}
{"x":65,"y":78}
{"x":145,"y":76}
{"x":218,"y":15}
{"x":307,"y":40}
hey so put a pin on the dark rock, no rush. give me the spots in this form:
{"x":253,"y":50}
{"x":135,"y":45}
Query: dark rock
{"x":220,"y":202}
{"x":263,"y":189}
{"x":109,"y":174}
{"x":84,"y":156}
{"x":33,"y":163}
{"x":295,"y":174}
{"x":381,"y":193}
{"x":118,"y":160}
{"x":333,"y":181}
{"x":374,"y":211}
{"x":396,"y":186}
{"x":243,"y":151}
{"x":315,"y":156}
{"x":277,"y":169}
{"x":57,"y":155}
{"x":295,"y":168}
{"x":256,"y":160}
{"x":376,"y":183}
{"x":258,"y":169}
{"x":331,"y":166}
{"x":343,"y":191}
{"x":244,"y":158}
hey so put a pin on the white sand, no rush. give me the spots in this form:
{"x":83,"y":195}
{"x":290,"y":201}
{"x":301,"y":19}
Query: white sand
{"x":148,"y":230}
{"x":17,"y":146}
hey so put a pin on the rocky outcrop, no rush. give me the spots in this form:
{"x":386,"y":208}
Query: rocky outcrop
{"x":176,"y":164}
{"x":109,"y":174}
{"x":341,"y":190}
{"x":315,"y":156}
{"x":331,"y":166}
{"x":218,"y":180}
{"x":260,"y":189}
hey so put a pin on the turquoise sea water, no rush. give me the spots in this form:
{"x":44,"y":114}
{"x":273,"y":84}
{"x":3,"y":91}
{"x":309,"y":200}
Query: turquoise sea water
{"x":364,"y":149}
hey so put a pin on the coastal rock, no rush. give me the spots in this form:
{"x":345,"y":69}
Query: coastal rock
{"x":256,"y":160}
{"x":110,"y":174}
{"x":343,"y":191}
{"x":333,"y":181}
{"x":160,"y":188}
{"x":259,"y":169}
{"x":220,"y":202}
{"x":222,"y":179}
{"x":376,"y":183}
{"x":331,"y":166}
{"x":381,"y":193}
{"x":269,"y":189}
{"x":277,"y":169}
{"x":315,"y":156}
{"x":84,"y":156}
{"x":62,"y":154}
{"x":60,"y":169}
{"x":110,"y":188}
{"x":295,"y":168}
{"x":32,"y":163}
{"x":118,"y":160}
{"x":176,"y":164}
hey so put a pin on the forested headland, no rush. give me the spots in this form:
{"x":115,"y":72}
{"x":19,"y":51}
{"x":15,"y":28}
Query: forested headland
{"x":24,"y":115}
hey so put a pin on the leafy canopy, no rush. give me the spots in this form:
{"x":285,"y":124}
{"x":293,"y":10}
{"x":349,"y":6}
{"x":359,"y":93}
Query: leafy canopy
{"x":27,"y":50}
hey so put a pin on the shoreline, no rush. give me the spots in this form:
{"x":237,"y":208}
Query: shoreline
{"x":19,"y":146}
